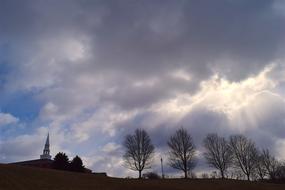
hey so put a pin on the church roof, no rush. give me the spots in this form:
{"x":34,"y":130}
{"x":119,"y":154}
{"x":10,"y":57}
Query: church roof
{"x":42,"y":163}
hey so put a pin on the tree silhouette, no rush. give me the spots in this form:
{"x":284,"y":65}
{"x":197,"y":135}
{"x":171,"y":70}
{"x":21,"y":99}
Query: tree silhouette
{"x":218,"y":153}
{"x":182,"y":151}
{"x":61,"y":161}
{"x":260,"y":171}
{"x":270,"y":163}
{"x":76,"y":164}
{"x":245,"y":154}
{"x":139,"y":151}
{"x":280,"y":173}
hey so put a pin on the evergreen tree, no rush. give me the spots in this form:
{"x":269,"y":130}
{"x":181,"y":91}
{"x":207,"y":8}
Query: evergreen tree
{"x":61,"y":161}
{"x":76,"y":164}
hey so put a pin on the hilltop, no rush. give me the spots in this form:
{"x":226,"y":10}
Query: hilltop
{"x":26,"y":178}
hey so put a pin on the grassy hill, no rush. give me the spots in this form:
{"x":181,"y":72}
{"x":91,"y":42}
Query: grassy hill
{"x":24,"y":178}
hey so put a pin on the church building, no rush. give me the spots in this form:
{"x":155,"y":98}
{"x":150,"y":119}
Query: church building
{"x":45,"y":160}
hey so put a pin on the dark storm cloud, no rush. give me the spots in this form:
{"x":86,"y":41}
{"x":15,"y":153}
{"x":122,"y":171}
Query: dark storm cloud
{"x":202,"y":121}
{"x":138,"y":96}
{"x":144,"y":38}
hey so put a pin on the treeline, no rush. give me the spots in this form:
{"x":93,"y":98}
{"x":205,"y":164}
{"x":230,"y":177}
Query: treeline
{"x":62,"y":162}
{"x":236,"y":155}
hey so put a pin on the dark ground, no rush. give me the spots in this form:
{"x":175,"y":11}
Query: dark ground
{"x":24,"y":178}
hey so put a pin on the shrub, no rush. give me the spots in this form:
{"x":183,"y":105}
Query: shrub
{"x":151,"y":175}
{"x":205,"y":176}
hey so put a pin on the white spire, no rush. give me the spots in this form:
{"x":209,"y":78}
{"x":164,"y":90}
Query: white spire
{"x":47,"y":141}
{"x":46,"y":152}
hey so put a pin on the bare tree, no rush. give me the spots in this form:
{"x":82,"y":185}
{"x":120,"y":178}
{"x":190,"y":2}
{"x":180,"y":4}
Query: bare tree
{"x":218,"y":153}
{"x":182,"y":151}
{"x":270,"y":163}
{"x":139,"y":151}
{"x":245,"y":154}
{"x":260,"y":167}
{"x":280,"y":172}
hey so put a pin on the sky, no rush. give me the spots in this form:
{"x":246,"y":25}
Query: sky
{"x":90,"y":72}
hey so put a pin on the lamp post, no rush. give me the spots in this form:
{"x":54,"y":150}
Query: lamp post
{"x":162,"y":173}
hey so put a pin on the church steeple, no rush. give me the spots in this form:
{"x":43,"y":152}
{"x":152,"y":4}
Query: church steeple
{"x":46,"y":152}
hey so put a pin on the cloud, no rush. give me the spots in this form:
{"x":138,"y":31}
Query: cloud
{"x":22,"y":146}
{"x":6,"y":119}
{"x":144,"y":39}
